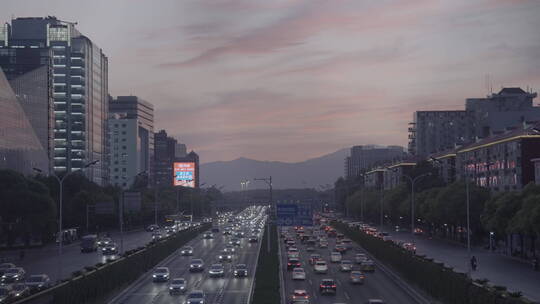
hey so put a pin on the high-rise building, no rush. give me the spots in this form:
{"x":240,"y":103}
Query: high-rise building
{"x":365,"y":157}
{"x":181,"y":150}
{"x":20,"y":148}
{"x":77,"y":76}
{"x":164,"y":156}
{"x":133,"y":107}
{"x":124,"y":148}
{"x":433,"y":132}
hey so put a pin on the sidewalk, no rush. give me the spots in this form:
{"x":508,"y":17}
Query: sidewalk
{"x":499,"y":269}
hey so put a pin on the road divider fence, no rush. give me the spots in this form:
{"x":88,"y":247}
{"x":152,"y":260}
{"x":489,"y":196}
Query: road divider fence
{"x":439,"y":281}
{"x":94,"y":284}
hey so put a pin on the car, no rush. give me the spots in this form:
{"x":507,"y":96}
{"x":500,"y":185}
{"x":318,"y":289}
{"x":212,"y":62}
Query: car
{"x":234,"y":242}
{"x":196,"y":297}
{"x":6,"y":293}
{"x":314,"y":258}
{"x":208,"y":235}
{"x":6,"y":266}
{"x":104,"y":241}
{"x":152,"y":227}
{"x":409,"y":247}
{"x":186,"y":251}
{"x":418,"y":231}
{"x":328,"y":286}
{"x":298,"y":274}
{"x":340,"y":248}
{"x":375,"y":301}
{"x":253,"y":239}
{"x":367,"y":266}
{"x":290,"y":243}
{"x":293,"y":263}
{"x":359,"y":258}
{"x":240,"y":271}
{"x":293,"y":252}
{"x":335,"y":257}
{"x":161,"y":274}
{"x":323,"y":244}
{"x":229,"y":248}
{"x":38,"y":282}
{"x":216,"y":270}
{"x":299,"y":295}
{"x":196,"y":265}
{"x":177,"y":285}
{"x":21,"y":290}
{"x":320,"y":267}
{"x":345,"y":265}
{"x":109,"y":249}
{"x":13,"y":275}
{"x":357,"y":277}
{"x":310,"y":249}
{"x":156,"y":236}
{"x":225,"y":257}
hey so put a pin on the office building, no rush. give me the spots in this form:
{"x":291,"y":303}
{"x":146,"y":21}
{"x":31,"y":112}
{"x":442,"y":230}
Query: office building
{"x":434,"y":131}
{"x":393,"y":176}
{"x":125,"y":153}
{"x":437,"y":131}
{"x":77,"y":76}
{"x":365,"y":157}
{"x":181,"y":150}
{"x":20,"y":148}
{"x":164,"y":156}
{"x":374,"y":178}
{"x":140,"y":110}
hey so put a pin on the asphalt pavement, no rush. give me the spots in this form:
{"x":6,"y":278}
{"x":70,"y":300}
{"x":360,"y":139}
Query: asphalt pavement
{"x":377,"y":285}
{"x":45,"y":259}
{"x":497,"y":268}
{"x":226,"y":290}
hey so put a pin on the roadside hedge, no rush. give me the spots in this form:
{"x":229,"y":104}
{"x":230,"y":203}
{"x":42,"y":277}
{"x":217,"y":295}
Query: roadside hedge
{"x":95,"y":285}
{"x":439,"y":281}
{"x":267,"y":274}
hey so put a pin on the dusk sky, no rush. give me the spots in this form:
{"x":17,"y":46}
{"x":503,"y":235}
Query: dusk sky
{"x":288,"y":79}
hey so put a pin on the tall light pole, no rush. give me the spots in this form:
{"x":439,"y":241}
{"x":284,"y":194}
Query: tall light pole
{"x":121,"y":210}
{"x":60,"y":235}
{"x":413,"y":181}
{"x":268,"y":181}
{"x":466,"y":178}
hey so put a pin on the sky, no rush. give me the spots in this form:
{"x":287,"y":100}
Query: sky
{"x":290,"y":80}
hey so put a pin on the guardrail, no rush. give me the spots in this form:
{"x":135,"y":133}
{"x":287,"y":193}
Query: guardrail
{"x":98,"y":282}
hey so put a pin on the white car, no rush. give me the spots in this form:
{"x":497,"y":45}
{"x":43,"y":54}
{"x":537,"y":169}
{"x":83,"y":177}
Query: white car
{"x":320,"y":267}
{"x":346,"y":265}
{"x":298,"y":274}
{"x":335,"y":257}
{"x":359,"y":258}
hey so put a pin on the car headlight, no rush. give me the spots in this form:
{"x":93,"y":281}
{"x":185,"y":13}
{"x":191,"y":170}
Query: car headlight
{"x":171,"y":288}
{"x":221,"y":257}
{"x":235,"y":272}
{"x":154,"y":276}
{"x":191,"y":266}
{"x":16,"y":276}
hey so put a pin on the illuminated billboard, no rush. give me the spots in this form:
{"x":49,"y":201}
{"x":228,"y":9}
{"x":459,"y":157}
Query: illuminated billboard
{"x":184,"y":174}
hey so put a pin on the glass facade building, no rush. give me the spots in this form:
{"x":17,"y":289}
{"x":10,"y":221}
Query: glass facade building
{"x":77,"y":81}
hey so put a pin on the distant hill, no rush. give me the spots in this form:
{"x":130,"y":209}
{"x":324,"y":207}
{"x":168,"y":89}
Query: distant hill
{"x":307,"y":174}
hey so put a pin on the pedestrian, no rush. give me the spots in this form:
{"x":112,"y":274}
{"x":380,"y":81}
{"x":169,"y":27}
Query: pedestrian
{"x":473,"y":263}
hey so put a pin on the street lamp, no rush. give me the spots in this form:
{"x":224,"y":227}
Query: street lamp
{"x":466,"y":178}
{"x":268,"y":181}
{"x":121,"y":211}
{"x":413,"y":181}
{"x":60,"y":235}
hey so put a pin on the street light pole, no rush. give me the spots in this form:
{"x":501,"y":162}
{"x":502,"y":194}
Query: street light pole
{"x":413,"y":181}
{"x":60,"y":235}
{"x":268,"y":181}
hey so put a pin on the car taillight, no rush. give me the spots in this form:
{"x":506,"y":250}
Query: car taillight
{"x":333,"y":286}
{"x":289,"y":264}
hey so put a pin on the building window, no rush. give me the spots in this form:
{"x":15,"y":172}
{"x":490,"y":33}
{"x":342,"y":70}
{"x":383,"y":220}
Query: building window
{"x":123,"y":132}
{"x":124,"y":147}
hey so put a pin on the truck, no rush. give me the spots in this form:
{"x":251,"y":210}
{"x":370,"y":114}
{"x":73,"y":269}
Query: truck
{"x":89,"y":243}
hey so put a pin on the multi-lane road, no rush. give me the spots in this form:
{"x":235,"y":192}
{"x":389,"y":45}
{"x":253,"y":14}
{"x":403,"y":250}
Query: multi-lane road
{"x":377,"y":285}
{"x":228,"y":289}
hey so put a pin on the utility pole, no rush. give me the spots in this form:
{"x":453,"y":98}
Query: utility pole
{"x":268,"y":181}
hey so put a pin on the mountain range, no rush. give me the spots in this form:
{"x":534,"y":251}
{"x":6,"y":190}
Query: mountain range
{"x":312,"y":173}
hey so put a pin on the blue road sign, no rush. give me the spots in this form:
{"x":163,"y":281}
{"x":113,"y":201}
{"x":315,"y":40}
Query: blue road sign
{"x":294,"y":215}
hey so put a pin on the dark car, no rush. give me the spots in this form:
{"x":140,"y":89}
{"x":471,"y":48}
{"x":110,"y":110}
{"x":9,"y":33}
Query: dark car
{"x":21,"y":290}
{"x":109,"y":249}
{"x":328,"y":286}
{"x":13,"y":275}
{"x":240,"y":271}
{"x":293,"y":263}
{"x":38,"y":282}
{"x":6,"y":294}
{"x":253,"y":239}
{"x":161,"y":274}
{"x":225,"y":256}
{"x":196,"y":265}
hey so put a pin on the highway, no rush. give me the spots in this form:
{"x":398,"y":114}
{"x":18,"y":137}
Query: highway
{"x":45,"y":260}
{"x":377,"y":285}
{"x":227,"y":289}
